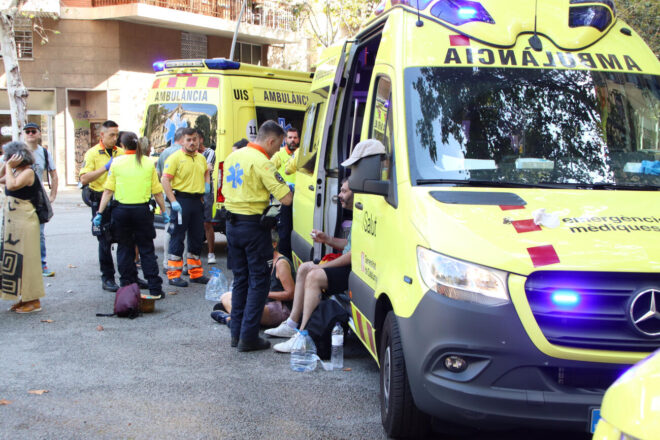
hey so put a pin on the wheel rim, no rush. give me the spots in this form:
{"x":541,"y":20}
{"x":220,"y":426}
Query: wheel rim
{"x":387,"y":365}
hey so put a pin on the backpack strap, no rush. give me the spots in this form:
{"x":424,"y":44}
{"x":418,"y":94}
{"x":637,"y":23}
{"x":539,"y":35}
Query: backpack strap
{"x":47,"y":166}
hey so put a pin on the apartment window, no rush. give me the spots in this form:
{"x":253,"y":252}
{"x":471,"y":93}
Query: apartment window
{"x":193,"y":45}
{"x":249,"y":53}
{"x":23,"y":37}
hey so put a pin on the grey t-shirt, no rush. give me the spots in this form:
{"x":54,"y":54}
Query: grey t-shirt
{"x":167,"y":152}
{"x":40,"y":161}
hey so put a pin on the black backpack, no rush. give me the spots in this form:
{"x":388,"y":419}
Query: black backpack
{"x":321,"y":323}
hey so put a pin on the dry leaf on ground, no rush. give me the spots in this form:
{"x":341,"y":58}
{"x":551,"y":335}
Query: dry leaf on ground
{"x":47,"y":320}
{"x":347,"y":369}
{"x":40,"y":392}
{"x":99,"y":328}
{"x":5,"y":402}
{"x":172,"y":293}
{"x":72,"y":266}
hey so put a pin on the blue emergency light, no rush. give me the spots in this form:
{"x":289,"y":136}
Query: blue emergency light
{"x":467,"y":13}
{"x":222,"y":64}
{"x":159,"y":66}
{"x":459,"y":12}
{"x":565,"y":298}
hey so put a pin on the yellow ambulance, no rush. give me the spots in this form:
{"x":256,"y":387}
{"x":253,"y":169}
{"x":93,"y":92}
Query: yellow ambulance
{"x":226,"y":100}
{"x":505,"y":251}
{"x":631,"y":406}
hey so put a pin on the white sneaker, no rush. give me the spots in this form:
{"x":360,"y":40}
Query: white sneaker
{"x":211,"y":259}
{"x":287,"y":346}
{"x":281,"y":331}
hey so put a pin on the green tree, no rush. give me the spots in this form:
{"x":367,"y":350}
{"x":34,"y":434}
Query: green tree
{"x":326,"y":20}
{"x":644,"y":17}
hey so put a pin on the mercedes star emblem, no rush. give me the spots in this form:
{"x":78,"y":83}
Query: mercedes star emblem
{"x":644,"y":312}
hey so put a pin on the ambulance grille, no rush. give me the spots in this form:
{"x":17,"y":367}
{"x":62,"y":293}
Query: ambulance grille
{"x":600,"y":319}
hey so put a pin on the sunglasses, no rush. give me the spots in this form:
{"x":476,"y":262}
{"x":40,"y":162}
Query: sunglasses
{"x":31,"y":131}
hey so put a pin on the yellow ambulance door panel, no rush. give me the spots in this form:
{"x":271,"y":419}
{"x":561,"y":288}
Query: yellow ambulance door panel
{"x":304,"y":202}
{"x":375,"y":231}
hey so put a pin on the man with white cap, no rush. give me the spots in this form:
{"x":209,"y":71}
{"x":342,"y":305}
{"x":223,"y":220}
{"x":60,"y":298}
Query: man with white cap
{"x":313,"y":280}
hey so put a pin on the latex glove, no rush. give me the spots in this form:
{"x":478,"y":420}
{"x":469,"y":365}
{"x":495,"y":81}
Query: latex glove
{"x":107,"y":165}
{"x":97,"y":219}
{"x":207,"y":188}
{"x":176,"y":206}
{"x":166,"y":217}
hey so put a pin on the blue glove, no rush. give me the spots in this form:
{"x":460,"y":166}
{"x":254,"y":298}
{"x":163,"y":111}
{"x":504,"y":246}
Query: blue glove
{"x":97,"y":219}
{"x":107,"y":165}
{"x":166,"y":217}
{"x":176,"y":206}
{"x":207,"y":188}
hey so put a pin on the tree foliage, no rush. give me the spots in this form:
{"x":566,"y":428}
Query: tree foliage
{"x":644,"y":17}
{"x":326,"y":20}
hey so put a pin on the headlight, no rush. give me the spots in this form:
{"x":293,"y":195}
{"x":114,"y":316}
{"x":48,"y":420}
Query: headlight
{"x":462,"y":281}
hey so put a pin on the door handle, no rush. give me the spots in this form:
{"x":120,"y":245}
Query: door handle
{"x":311,"y":187}
{"x":335,"y":199}
{"x":359,"y":206}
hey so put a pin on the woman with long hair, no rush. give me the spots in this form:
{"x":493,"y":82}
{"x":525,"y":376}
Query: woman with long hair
{"x":132,"y":180}
{"x":21,"y":257}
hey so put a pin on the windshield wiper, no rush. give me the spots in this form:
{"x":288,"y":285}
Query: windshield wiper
{"x":487,"y":183}
{"x":617,"y":186}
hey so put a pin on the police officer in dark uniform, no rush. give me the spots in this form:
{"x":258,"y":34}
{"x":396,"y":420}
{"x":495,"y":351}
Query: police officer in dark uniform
{"x":93,"y":173}
{"x":132,"y":179}
{"x":250,"y":179}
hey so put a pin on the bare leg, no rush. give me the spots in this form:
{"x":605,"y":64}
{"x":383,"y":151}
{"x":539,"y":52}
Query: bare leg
{"x":299,"y":291}
{"x":315,"y":282}
{"x":210,"y":237}
{"x":225,"y":299}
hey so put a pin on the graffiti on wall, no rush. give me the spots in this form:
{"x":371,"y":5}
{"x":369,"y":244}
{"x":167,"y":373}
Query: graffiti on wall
{"x":82,"y":142}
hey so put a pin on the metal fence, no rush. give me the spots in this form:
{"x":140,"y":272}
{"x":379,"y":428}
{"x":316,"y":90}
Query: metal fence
{"x":271,"y":14}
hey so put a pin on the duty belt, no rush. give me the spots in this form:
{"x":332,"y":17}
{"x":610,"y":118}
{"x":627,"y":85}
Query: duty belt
{"x":187,"y":195}
{"x":242,"y":217}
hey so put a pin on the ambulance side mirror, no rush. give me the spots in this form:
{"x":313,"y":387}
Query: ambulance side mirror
{"x":365,"y":177}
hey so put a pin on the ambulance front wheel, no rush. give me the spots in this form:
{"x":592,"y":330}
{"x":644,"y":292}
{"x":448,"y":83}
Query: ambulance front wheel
{"x":400,"y":416}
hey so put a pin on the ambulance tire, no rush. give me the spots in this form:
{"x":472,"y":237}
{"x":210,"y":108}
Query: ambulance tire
{"x":400,"y":416}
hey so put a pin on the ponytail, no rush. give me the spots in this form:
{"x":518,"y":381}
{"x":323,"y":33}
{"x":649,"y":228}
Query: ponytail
{"x":129,"y":141}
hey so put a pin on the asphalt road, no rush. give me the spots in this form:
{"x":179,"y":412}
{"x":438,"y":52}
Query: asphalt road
{"x":169,"y":374}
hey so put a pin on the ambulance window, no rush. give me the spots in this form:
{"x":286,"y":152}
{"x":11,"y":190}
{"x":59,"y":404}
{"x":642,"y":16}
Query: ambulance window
{"x":310,"y":140}
{"x":381,"y":120}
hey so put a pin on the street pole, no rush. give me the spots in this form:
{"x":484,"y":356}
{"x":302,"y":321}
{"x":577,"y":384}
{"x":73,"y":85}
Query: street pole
{"x":238,"y":23}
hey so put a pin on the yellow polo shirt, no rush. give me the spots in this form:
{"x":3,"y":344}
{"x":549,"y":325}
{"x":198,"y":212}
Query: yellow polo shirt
{"x":280,"y":160}
{"x":249,"y":179}
{"x":95,"y":158}
{"x":132,"y":183}
{"x":186,"y":171}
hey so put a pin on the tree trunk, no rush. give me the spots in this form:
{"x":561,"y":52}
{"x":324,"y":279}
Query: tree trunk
{"x":15,"y":88}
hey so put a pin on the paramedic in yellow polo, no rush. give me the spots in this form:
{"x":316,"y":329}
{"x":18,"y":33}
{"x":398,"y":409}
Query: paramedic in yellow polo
{"x":185,"y":180}
{"x":250,"y":178}
{"x":280,"y":160}
{"x":132,"y":179}
{"x":93,"y":173}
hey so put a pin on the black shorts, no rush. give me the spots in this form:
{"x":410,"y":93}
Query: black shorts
{"x":208,"y":207}
{"x":337,"y":279}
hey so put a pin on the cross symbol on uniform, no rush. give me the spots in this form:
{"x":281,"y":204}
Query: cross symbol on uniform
{"x":235,"y":175}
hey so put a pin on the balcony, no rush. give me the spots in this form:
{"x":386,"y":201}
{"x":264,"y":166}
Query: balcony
{"x":263,"y":22}
{"x":269,"y":14}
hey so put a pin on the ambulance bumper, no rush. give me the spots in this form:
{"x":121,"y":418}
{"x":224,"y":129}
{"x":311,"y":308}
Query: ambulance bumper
{"x":507,"y":382}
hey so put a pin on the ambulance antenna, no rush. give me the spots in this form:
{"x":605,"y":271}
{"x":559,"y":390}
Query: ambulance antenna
{"x":419,"y":20}
{"x":534,"y":40}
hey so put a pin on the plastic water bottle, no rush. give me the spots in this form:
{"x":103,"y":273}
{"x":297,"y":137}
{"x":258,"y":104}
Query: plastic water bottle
{"x":337,"y":355}
{"x":216,"y":286}
{"x":303,"y":353}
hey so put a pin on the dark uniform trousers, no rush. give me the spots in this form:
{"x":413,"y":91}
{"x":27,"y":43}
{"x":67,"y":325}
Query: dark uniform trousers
{"x":105,"y":253}
{"x":192,"y":222}
{"x":134,"y":225}
{"x":249,"y":249}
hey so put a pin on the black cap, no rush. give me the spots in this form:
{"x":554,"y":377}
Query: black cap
{"x":31,"y":125}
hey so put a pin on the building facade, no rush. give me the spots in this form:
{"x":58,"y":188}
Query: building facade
{"x":97,"y":63}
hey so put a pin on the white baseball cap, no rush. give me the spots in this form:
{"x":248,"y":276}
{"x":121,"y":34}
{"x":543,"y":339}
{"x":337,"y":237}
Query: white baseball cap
{"x":367,"y":147}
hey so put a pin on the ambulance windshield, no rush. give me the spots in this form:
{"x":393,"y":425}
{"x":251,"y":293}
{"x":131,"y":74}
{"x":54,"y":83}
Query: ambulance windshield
{"x":163,"y":120}
{"x":532,"y":126}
